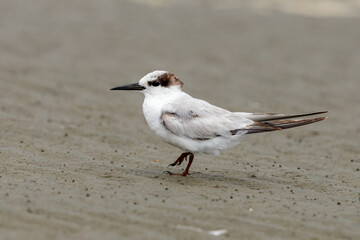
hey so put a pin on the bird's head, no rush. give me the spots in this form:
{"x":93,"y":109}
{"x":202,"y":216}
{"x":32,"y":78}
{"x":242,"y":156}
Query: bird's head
{"x":154,"y":83}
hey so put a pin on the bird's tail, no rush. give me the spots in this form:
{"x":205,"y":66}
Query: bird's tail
{"x":265,"y":117}
{"x":266,"y":122}
{"x":274,"y":125}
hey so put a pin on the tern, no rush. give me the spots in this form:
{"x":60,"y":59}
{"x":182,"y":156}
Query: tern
{"x":196,"y":126}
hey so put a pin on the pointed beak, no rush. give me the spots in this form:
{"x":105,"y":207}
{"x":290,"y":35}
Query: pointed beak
{"x":133,"y":86}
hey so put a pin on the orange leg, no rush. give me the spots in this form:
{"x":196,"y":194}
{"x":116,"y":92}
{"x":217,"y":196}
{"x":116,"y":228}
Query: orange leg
{"x":180,"y":160}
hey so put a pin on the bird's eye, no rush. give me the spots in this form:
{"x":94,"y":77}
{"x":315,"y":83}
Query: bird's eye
{"x":155,"y":83}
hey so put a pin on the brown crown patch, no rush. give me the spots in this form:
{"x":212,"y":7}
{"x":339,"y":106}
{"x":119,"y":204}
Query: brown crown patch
{"x":169,"y":79}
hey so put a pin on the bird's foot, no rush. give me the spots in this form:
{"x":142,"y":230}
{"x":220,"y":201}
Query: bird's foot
{"x":179,"y":160}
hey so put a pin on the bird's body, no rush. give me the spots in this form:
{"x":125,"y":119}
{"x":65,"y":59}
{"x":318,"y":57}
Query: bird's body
{"x":191,"y":124}
{"x":195,"y":125}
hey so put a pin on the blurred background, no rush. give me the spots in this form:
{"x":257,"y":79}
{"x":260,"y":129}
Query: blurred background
{"x":63,"y":134}
{"x":238,"y":47}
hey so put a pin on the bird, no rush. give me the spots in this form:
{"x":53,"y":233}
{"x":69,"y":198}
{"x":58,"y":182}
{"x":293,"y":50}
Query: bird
{"x":196,"y":126}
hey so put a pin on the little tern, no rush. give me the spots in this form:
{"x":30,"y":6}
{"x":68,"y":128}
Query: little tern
{"x":196,"y":126}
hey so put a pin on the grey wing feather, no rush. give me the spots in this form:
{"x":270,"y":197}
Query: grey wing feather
{"x":199,"y":120}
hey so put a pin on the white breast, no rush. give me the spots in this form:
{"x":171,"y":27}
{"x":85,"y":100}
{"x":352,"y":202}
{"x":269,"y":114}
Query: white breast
{"x":152,"y":114}
{"x":152,"y":109}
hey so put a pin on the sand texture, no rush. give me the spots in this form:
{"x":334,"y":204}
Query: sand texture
{"x":78,"y":161}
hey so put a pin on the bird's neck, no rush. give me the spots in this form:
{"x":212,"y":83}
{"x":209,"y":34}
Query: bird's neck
{"x":164,"y":96}
{"x":153,"y":103}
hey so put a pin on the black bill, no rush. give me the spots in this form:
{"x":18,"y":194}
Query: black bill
{"x":133,"y":86}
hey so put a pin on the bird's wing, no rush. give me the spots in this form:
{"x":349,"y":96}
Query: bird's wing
{"x":199,"y":120}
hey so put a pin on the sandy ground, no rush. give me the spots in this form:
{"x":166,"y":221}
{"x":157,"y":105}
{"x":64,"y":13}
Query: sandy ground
{"x":79,"y":162}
